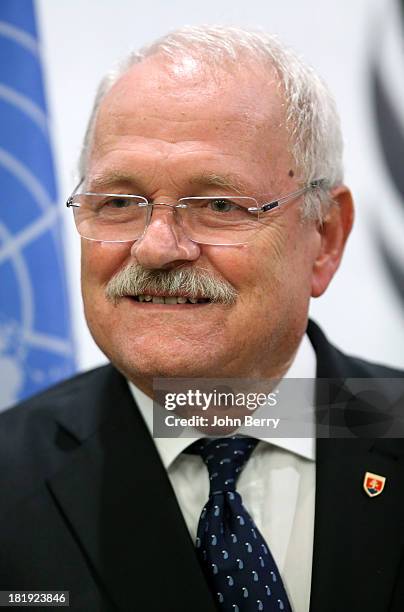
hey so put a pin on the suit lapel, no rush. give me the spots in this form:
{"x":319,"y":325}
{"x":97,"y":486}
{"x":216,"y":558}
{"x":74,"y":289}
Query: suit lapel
{"x":358,"y":540}
{"x":130,"y":527}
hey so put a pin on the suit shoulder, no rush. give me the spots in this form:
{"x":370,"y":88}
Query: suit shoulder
{"x":334,"y":363}
{"x":375,"y":370}
{"x":48,"y":402}
{"x":74,"y":405}
{"x":38,"y":435}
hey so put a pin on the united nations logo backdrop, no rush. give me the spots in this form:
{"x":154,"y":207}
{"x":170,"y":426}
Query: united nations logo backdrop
{"x":36,"y":347}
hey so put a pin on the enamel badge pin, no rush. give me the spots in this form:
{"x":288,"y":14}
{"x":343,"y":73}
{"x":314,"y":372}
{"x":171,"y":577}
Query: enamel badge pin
{"x":373,"y":484}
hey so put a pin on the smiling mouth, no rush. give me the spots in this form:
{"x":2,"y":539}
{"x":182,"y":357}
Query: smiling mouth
{"x":169,"y":299}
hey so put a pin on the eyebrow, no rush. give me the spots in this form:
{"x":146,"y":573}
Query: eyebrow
{"x":229,"y":181}
{"x":102,"y":181}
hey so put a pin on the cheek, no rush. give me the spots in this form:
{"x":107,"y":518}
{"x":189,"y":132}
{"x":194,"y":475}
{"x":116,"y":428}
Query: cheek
{"x":252,"y":270}
{"x":100,"y":261}
{"x":245,"y":269}
{"x":260,"y":264}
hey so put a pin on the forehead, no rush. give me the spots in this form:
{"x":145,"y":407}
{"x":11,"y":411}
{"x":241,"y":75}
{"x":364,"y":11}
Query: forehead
{"x":189,"y":85}
{"x":187,"y":107}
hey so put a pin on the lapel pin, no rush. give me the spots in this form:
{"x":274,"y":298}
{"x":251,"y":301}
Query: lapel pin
{"x":373,"y":484}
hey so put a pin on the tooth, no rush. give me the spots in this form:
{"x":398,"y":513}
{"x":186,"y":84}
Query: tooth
{"x":193,"y":300}
{"x":181,"y":300}
{"x":158,"y":300}
{"x":148,"y":298}
{"x":141,"y":298}
{"x":170,"y":300}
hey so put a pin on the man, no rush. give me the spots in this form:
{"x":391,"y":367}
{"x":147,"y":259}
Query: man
{"x":206,"y":123}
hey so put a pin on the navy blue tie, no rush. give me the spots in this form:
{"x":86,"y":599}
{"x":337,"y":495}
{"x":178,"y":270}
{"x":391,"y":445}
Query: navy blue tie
{"x":236,"y":561}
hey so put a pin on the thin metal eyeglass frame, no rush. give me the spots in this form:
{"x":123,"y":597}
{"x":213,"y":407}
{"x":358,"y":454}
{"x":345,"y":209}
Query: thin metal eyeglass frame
{"x":266,"y":207}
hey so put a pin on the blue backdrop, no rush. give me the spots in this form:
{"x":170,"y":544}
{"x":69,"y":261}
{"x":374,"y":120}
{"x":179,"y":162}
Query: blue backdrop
{"x":36,"y":347}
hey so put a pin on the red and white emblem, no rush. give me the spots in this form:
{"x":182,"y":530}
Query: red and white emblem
{"x":373,"y":484}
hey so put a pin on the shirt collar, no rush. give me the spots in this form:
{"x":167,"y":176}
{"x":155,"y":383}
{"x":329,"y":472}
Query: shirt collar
{"x":303,"y":366}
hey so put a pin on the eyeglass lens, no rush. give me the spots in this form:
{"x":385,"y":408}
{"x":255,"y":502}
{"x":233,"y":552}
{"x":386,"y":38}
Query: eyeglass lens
{"x":210,"y":220}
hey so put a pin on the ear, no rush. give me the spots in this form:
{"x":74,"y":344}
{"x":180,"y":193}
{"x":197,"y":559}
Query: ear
{"x":333,"y":232}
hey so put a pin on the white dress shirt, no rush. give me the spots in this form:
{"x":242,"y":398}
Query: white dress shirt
{"x":277,"y":486}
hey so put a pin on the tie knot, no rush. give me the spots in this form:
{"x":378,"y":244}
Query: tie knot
{"x":225,"y":458}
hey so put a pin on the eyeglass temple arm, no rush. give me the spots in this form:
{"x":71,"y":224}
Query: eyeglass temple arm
{"x":69,"y":201}
{"x":276,"y":203}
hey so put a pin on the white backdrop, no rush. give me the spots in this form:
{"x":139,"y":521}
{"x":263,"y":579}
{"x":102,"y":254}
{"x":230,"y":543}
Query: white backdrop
{"x":81,"y":39}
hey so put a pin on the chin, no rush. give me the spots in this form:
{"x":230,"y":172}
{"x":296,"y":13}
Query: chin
{"x":147,"y":360}
{"x":137,"y":370}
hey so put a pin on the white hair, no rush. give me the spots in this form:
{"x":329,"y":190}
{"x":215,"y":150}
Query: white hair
{"x":311,"y":115}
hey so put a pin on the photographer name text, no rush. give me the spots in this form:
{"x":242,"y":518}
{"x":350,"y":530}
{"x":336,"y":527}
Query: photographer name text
{"x":227,"y":421}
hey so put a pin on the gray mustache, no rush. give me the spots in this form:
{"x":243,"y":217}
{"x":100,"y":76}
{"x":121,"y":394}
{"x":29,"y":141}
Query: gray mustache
{"x":194,"y":282}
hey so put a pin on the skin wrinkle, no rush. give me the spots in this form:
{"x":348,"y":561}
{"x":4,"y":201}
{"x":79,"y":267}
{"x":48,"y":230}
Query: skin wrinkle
{"x":252,"y":190}
{"x":107,"y":144}
{"x":100,"y":182}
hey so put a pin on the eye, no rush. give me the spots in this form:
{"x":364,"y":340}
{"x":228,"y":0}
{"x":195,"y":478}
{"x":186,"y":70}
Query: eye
{"x":222,"y":205}
{"x":116,"y":202}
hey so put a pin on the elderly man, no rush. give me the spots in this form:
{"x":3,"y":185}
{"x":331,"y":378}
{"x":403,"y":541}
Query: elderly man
{"x":211,"y":209}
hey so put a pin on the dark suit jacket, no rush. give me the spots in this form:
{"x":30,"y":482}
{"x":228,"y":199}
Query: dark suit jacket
{"x":86,"y":506}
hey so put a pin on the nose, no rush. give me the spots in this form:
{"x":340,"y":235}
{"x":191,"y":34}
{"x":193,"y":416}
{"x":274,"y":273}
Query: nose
{"x":164,"y":244}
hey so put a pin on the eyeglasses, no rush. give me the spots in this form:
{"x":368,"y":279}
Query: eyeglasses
{"x":216,"y":220}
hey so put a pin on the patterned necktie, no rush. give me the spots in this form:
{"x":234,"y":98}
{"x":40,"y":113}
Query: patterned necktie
{"x":237,"y":563}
